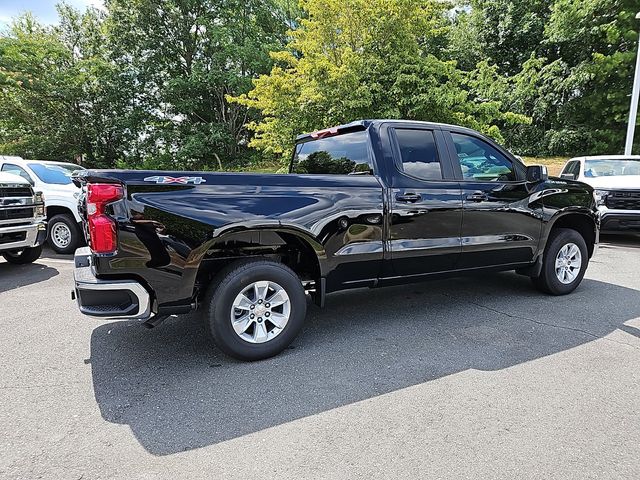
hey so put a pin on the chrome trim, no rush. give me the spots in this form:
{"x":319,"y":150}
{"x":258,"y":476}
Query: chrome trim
{"x":604,"y":210}
{"x":423,"y":244}
{"x":31,"y":238}
{"x":86,"y":280}
{"x":18,"y":222}
{"x":18,"y":202}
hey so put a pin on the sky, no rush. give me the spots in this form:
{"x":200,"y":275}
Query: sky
{"x":44,"y":10}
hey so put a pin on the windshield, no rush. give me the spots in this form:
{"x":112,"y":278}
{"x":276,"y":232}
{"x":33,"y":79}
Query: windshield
{"x":611,"y":168}
{"x":56,"y":173}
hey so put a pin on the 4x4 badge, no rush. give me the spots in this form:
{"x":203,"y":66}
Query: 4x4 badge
{"x":179,"y":180}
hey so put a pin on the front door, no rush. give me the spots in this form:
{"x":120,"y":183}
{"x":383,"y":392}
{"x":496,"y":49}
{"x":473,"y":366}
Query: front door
{"x":499,"y":226}
{"x":426,"y":204}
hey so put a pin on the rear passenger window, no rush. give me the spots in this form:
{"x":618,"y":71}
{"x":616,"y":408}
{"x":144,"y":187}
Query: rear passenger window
{"x":346,"y":154}
{"x":419,"y":154}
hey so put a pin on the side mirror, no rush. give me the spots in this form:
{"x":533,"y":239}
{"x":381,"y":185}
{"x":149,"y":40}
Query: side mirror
{"x":568,"y":176}
{"x":537,"y":173}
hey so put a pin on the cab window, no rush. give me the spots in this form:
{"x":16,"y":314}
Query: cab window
{"x":481,"y":161}
{"x":572,"y":168}
{"x":345,"y":154}
{"x":419,"y":155}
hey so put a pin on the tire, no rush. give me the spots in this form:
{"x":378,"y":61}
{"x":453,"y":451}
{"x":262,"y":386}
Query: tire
{"x":250,"y":340}
{"x":549,"y":281}
{"x":64,"y":233}
{"x":24,"y":256}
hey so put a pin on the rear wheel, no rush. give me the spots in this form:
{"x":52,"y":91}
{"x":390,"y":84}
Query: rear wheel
{"x":255,"y":309}
{"x":564,"y":264}
{"x":64,"y":233}
{"x":24,"y":256}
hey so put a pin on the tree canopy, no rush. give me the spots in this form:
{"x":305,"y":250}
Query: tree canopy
{"x":201,"y":84}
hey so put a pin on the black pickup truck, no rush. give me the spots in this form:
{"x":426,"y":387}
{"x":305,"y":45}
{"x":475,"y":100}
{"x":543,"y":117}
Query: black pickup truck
{"x":367,"y":204}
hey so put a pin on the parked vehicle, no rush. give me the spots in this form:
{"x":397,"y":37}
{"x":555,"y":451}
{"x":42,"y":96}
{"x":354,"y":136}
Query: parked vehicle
{"x":53,"y":179}
{"x":616,"y":180}
{"x":367,"y":204}
{"x":22,"y":225}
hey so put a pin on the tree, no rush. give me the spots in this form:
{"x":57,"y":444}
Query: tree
{"x":186,"y":56}
{"x":503,"y":32}
{"x":58,"y":91}
{"x":567,"y":64}
{"x":595,"y":42}
{"x":363,"y":59}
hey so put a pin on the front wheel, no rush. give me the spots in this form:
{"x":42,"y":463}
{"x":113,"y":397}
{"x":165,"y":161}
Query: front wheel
{"x":564,"y":264}
{"x":255,"y":309}
{"x":24,"y":256}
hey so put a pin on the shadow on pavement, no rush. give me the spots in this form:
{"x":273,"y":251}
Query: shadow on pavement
{"x":15,"y":276}
{"x":609,"y":240}
{"x":177,"y":392}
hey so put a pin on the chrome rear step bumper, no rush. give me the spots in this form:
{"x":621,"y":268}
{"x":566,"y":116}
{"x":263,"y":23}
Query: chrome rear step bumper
{"x":108,"y":299}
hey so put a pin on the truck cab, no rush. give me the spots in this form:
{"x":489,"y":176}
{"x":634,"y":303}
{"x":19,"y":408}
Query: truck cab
{"x":53,"y":179}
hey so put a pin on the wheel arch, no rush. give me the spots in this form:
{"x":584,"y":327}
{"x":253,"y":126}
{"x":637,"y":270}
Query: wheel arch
{"x":585,"y":223}
{"x":293,"y":247}
{"x":53,"y":210}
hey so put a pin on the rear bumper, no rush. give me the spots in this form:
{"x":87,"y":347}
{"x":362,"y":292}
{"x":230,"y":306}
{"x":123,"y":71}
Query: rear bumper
{"x":108,"y":299}
{"x":22,"y":236}
{"x":619,"y":220}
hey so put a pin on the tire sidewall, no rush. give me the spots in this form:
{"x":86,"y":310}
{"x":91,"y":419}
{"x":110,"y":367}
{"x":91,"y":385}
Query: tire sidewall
{"x":26,"y":255}
{"x":226,"y":292}
{"x":73,"y":229}
{"x":564,"y":237}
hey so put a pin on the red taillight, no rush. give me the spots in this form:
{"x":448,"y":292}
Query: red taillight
{"x":102,"y":228}
{"x":103,"y":192}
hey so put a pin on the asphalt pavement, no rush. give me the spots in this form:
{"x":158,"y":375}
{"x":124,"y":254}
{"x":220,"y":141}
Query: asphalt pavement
{"x":477,"y":377}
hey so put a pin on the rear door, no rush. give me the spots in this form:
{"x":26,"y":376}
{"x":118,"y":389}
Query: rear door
{"x":499,"y":227}
{"x":426,"y":203}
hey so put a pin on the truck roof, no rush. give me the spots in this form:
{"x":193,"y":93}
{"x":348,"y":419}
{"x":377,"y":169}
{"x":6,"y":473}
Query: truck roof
{"x":364,"y":124}
{"x":608,"y":157}
{"x":23,"y":161}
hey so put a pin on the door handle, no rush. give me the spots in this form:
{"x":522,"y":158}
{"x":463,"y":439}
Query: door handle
{"x":408,"y":197}
{"x":477,"y":197}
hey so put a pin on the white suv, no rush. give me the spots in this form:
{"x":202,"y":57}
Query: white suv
{"x":53,"y":179}
{"x":616,"y":181}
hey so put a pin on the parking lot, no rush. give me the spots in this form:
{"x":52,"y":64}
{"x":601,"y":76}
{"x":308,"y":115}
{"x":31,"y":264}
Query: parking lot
{"x":478,"y":377}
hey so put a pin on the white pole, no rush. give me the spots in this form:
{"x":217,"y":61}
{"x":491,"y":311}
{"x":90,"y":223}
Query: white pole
{"x":633,"y":111}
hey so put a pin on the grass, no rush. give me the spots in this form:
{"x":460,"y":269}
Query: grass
{"x":264,"y":167}
{"x":554,"y":164}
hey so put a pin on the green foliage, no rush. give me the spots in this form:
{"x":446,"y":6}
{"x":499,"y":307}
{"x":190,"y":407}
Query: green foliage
{"x":141,"y":86}
{"x":192,"y":84}
{"x":352,"y":59}
{"x":57,"y":89}
{"x":186,"y":56}
{"x":566,"y":64}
